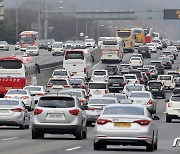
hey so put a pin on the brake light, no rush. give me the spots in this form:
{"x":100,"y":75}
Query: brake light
{"x":81,"y":101}
{"x":25,"y":97}
{"x":74,"y":112}
{"x":106,"y":91}
{"x":136,"y":81}
{"x":68,"y":77}
{"x":91,"y":108}
{"x":169,"y":104}
{"x":118,"y":53}
{"x":123,"y":83}
{"x":7,"y":96}
{"x":168,"y":63}
{"x":37,"y":111}
{"x":17,"y":110}
{"x":49,"y":85}
{"x":150,"y":102}
{"x":101,"y":53}
{"x":40,"y":94}
{"x":85,"y":70}
{"x":140,"y":61}
{"x":88,"y":91}
{"x":130,"y":62}
{"x":102,"y":121}
{"x":142,"y":122}
{"x":66,"y":86}
{"x":131,"y":44}
{"x":109,"y":84}
{"x":148,"y":73}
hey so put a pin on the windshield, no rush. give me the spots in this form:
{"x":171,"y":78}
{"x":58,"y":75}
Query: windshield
{"x":9,"y":102}
{"x":19,"y":92}
{"x":102,"y":101}
{"x":144,"y":95}
{"x":60,"y":73}
{"x":57,"y":45}
{"x":133,"y":88}
{"x":97,"y":86}
{"x":175,"y":98}
{"x":33,"y":88}
{"x":10,"y":64}
{"x":124,"y":34}
{"x":74,"y":55}
{"x":26,"y":39}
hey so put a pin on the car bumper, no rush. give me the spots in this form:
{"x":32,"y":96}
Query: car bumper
{"x":15,"y":120}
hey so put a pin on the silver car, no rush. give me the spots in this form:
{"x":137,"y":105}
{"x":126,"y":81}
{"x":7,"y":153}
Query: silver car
{"x":126,"y":124}
{"x":59,"y":114}
{"x":14,"y":113}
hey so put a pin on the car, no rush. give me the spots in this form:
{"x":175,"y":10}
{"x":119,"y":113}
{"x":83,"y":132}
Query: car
{"x":43,"y":44}
{"x":50,"y":43}
{"x":159,"y":66}
{"x":136,"y":62}
{"x":139,"y":75}
{"x":176,"y":90}
{"x":97,"y":88}
{"x":157,"y":88}
{"x":116,"y":83}
{"x":145,"y":70}
{"x":138,"y":55}
{"x":133,"y":87}
{"x":126,"y":124}
{"x":89,"y":43}
{"x":32,"y":51}
{"x":168,"y":81}
{"x":152,"y":47}
{"x":120,"y":96}
{"x":145,"y":51}
{"x":55,"y":85}
{"x":177,"y":82}
{"x":153,"y":71}
{"x":95,"y":107}
{"x":177,"y":45}
{"x":173,"y":108}
{"x":61,"y":73}
{"x":58,"y":48}
{"x":100,"y":75}
{"x":20,"y":54}
{"x":174,"y":49}
{"x":17,"y":46}
{"x":36,"y":91}
{"x":166,"y":61}
{"x":145,"y":78}
{"x":4,"y":45}
{"x":164,"y":43}
{"x":144,"y":98}
{"x":78,"y":83}
{"x":158,"y":43}
{"x":131,"y":78}
{"x":13,"y":112}
{"x":168,"y":54}
{"x":69,"y":44}
{"x":59,"y":114}
{"x":22,"y":94}
{"x":79,"y":44}
{"x":112,"y":69}
{"x":124,"y":68}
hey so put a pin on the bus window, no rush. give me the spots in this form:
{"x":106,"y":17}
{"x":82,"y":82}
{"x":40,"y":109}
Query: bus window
{"x":74,"y":55}
{"x":10,"y":64}
{"x":124,"y":34}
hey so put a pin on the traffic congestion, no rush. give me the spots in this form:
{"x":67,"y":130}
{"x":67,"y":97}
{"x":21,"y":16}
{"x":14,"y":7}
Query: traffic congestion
{"x":116,"y":94}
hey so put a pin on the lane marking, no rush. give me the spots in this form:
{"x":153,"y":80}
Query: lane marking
{"x":96,"y":65}
{"x":75,"y":148}
{"x":12,"y":138}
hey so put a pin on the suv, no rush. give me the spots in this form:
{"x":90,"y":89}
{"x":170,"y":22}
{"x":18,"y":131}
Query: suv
{"x":59,"y":114}
{"x":157,"y":88}
{"x":145,"y":51}
{"x":116,"y":83}
{"x":112,"y":69}
{"x":159,"y":66}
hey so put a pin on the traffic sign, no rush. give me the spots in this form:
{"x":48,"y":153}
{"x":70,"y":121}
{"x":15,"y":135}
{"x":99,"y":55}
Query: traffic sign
{"x":172,"y":14}
{"x":1,"y":10}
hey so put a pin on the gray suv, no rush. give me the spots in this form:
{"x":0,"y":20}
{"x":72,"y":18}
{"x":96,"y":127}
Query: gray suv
{"x":59,"y":114}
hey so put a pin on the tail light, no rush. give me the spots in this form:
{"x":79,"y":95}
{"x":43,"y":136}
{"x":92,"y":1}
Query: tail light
{"x":123,"y":83}
{"x":74,"y":112}
{"x":168,"y":63}
{"x":40,"y":94}
{"x":148,"y":73}
{"x":68,"y":77}
{"x":106,"y":91}
{"x":17,"y":110}
{"x":118,"y":53}
{"x":136,"y":81}
{"x":91,"y":108}
{"x":109,"y":84}
{"x":147,"y":87}
{"x":66,"y":86}
{"x":88,"y":91}
{"x":81,"y":101}
{"x":150,"y":102}
{"x":101,"y":53}
{"x":142,"y":122}
{"x":130,"y":62}
{"x":102,"y":121}
{"x":7,"y":96}
{"x":131,"y":44}
{"x":37,"y":111}
{"x":140,"y":61}
{"x":169,"y":104}
{"x":25,"y":97}
{"x":49,"y":85}
{"x":85,"y":70}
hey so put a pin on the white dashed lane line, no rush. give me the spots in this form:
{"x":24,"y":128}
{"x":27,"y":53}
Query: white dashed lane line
{"x":75,"y":148}
{"x":7,"y":139}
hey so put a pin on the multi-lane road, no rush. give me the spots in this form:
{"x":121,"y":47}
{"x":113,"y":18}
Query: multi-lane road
{"x":15,"y":141}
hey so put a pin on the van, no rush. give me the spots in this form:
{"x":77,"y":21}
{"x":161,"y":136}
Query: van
{"x":58,"y":48}
{"x":167,"y":80}
{"x":78,"y":63}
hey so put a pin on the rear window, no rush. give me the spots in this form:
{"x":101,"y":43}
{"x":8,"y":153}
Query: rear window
{"x":130,"y":77}
{"x":10,"y":64}
{"x":175,"y":98}
{"x":74,"y":55}
{"x":33,"y":88}
{"x":60,"y":73}
{"x":102,"y":101}
{"x":124,"y":34}
{"x":20,"y":92}
{"x":135,"y":58}
{"x":156,"y":63}
{"x":143,"y":48}
{"x":119,"y":97}
{"x":72,"y":93}
{"x":99,"y":73}
{"x":133,"y":88}
{"x":58,"y":82}
{"x":123,"y":110}
{"x":155,"y":84}
{"x":144,"y":95}
{"x":9,"y":102}
{"x":97,"y":86}
{"x":116,"y":79}
{"x":165,"y":77}
{"x":110,"y":42}
{"x":56,"y":102}
{"x":76,"y":81}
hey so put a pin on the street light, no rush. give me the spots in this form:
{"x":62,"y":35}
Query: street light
{"x":17,"y":23}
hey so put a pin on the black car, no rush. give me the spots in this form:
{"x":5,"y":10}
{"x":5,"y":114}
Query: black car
{"x":157,"y":88}
{"x":144,"y":51}
{"x":176,"y":90}
{"x":112,"y":69}
{"x":145,"y":78}
{"x":116,"y":83}
{"x":166,"y":62}
{"x":159,"y":66}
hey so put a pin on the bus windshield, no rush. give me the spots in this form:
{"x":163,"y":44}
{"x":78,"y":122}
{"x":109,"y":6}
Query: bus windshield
{"x":10,"y":64}
{"x":26,"y":39}
{"x":124,"y":34}
{"x":74,"y":55}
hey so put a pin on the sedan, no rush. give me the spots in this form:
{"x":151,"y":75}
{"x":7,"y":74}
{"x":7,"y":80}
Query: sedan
{"x":14,"y":113}
{"x":166,"y":62}
{"x":136,"y":62}
{"x":126,"y":124}
{"x":152,"y":47}
{"x":133,"y":87}
{"x":32,"y":50}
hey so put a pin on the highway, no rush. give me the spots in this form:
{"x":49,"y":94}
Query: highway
{"x":15,"y":141}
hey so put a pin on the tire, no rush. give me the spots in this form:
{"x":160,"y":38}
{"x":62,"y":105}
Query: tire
{"x":41,"y":135}
{"x":26,"y":126}
{"x":22,"y":126}
{"x":84,"y":133}
{"x":156,"y":143}
{"x":168,"y":119}
{"x":97,"y":146}
{"x":89,"y":123}
{"x":79,"y":134}
{"x":150,"y":147}
{"x":35,"y":134}
{"x":164,"y":96}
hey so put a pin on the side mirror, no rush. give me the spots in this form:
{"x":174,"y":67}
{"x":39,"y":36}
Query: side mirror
{"x":167,"y":100}
{"x":86,"y":97}
{"x":155,"y":117}
{"x":33,"y":95}
{"x":85,"y":107}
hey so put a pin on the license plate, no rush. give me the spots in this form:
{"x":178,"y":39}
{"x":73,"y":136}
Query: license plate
{"x":115,"y":84}
{"x":109,"y":55}
{"x":178,"y":111}
{"x":55,"y":116}
{"x":122,"y":124}
{"x":154,"y":89}
{"x":4,"y":111}
{"x":138,"y":102}
{"x":143,"y":51}
{"x":74,"y":72}
{"x":7,"y":88}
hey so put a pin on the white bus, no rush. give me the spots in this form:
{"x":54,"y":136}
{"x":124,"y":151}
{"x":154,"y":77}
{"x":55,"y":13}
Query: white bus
{"x":112,"y":50}
{"x":78,"y":63}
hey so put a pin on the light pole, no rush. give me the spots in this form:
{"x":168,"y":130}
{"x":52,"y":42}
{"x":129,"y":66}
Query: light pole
{"x":17,"y":23}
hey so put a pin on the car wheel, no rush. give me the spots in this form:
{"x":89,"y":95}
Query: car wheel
{"x":84,"y":134}
{"x":150,"y":147}
{"x":97,"y":146}
{"x":156,"y":143}
{"x":41,"y":135}
{"x":89,"y":123}
{"x":168,"y":119}
{"x":164,"y":96}
{"x":22,"y":126}
{"x":78,"y":134}
{"x":26,"y":126}
{"x":35,"y":134}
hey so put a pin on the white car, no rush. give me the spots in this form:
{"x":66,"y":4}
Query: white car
{"x":22,"y":94}
{"x":131,"y":78}
{"x":57,"y":48}
{"x":136,"y":62}
{"x":158,"y":43}
{"x":17,"y":46}
{"x":89,"y":43}
{"x":133,"y":87}
{"x":32,"y":50}
{"x":168,"y":81}
{"x":173,"y":108}
{"x":100,"y":75}
{"x":152,"y":47}
{"x":36,"y":91}
{"x":69,"y":44}
{"x":138,"y":55}
{"x":173,"y":48}
{"x":61,"y":73}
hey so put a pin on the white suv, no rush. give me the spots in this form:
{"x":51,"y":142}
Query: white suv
{"x":100,"y":75}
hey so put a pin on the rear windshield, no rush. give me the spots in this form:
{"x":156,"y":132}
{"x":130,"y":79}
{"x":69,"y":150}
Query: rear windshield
{"x":9,"y":102}
{"x":102,"y":101}
{"x":10,"y":64}
{"x":165,"y":78}
{"x":20,"y":92}
{"x":57,"y":45}
{"x":130,"y":77}
{"x":33,"y":88}
{"x":58,"y":82}
{"x":119,"y":97}
{"x":97,"y":86}
{"x":133,"y":88}
{"x":60,"y":73}
{"x":156,"y":63}
{"x":175,"y":98}
{"x":124,"y":34}
{"x":116,"y":79}
{"x":174,"y":74}
{"x":76,"y":81}
{"x":99,"y":73}
{"x":123,"y":110}
{"x":143,"y":48}
{"x":135,"y":58}
{"x":56,"y":102}
{"x":109,"y":42}
{"x":72,"y":93}
{"x":155,"y":84}
{"x":74,"y":55}
{"x":144,"y":95}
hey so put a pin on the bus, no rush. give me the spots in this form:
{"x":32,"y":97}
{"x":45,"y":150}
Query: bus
{"x":28,"y":38}
{"x":78,"y":63}
{"x":15,"y":74}
{"x":112,"y":49}
{"x":128,"y":39}
{"x":148,"y":35}
{"x":156,"y":36}
{"x":139,"y":37}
